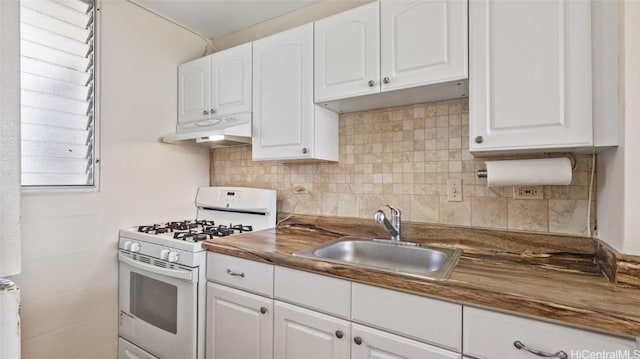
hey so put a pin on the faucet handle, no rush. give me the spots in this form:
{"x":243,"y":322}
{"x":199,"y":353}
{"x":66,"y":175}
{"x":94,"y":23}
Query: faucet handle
{"x":394,"y":210}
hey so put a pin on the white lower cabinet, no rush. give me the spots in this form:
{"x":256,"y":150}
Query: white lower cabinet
{"x":420,"y":318}
{"x":304,"y":334}
{"x":369,"y":343}
{"x":239,"y":324}
{"x":311,"y":319}
{"x":301,"y":333}
{"x":493,"y":335}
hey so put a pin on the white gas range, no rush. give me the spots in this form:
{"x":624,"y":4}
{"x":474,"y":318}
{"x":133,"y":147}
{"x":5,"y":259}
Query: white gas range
{"x":162,"y":282}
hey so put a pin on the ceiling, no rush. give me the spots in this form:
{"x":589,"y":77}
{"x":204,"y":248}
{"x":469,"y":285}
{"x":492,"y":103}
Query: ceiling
{"x":213,"y":18}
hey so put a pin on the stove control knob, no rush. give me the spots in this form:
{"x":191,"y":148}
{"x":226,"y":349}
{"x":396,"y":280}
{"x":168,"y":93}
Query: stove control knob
{"x":135,"y":247}
{"x":126,"y":245}
{"x":173,"y":256}
{"x":164,"y":254}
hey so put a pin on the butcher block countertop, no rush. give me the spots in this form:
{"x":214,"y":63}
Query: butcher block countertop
{"x":547,"y":277}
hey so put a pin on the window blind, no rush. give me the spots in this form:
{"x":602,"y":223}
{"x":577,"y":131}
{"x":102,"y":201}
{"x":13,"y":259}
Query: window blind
{"x":57,"y":81}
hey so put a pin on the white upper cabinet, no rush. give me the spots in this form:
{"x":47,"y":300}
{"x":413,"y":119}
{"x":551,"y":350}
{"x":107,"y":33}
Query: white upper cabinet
{"x":423,"y":42}
{"x":214,"y":86}
{"x":364,"y":56}
{"x":347,"y":53}
{"x":286,"y":123}
{"x":530,"y":76}
{"x":231,"y":81}
{"x":194,"y":90}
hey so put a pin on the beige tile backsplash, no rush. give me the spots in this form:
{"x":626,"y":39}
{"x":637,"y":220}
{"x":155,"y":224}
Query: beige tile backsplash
{"x":403,"y":156}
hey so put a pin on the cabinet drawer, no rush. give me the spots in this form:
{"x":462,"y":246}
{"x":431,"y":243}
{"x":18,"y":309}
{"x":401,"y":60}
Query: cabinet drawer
{"x":491,"y":335}
{"x":326,"y":294}
{"x":240,"y":273}
{"x":378,"y":344}
{"x":425,"y":319}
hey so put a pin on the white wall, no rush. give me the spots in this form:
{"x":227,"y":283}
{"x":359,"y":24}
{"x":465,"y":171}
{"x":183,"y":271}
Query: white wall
{"x":619,"y":169}
{"x":69,"y":277}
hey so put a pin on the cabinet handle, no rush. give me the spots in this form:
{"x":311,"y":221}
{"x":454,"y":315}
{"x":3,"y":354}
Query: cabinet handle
{"x":371,"y":83}
{"x":385,"y":80}
{"x":357,"y":340}
{"x":339,"y":334}
{"x":561,"y":354}
{"x":304,"y":150}
{"x":213,"y":110}
{"x":235,"y":274}
{"x":479,"y":139}
{"x":205,"y":112}
{"x":263,"y":310}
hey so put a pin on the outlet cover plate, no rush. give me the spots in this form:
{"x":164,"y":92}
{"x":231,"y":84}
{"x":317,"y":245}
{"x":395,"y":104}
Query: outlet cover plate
{"x":454,"y":190}
{"x":528,"y":192}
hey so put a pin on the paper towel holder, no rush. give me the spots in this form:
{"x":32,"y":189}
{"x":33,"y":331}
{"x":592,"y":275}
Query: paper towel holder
{"x":483,"y":173}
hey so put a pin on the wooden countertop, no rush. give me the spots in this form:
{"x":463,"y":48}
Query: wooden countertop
{"x":543,"y":276}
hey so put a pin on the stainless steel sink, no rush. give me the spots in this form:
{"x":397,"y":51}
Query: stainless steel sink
{"x":397,"y":257}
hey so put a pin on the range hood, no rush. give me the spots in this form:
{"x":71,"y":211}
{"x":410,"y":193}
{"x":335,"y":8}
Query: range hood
{"x":233,"y":131}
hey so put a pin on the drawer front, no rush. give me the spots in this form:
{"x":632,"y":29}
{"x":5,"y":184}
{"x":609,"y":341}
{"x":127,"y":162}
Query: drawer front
{"x":240,"y":273}
{"x":374,"y":344}
{"x":319,"y":292}
{"x":429,"y":320}
{"x":491,"y":335}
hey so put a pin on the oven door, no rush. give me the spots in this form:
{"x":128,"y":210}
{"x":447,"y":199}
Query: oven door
{"x":158,"y":307}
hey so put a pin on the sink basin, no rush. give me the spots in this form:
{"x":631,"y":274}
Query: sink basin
{"x":404,"y":258}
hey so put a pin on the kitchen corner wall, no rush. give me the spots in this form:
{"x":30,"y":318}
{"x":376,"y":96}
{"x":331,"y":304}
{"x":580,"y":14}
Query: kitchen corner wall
{"x":403,"y":156}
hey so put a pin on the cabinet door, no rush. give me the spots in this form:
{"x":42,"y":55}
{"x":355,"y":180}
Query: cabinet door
{"x":423,"y":42}
{"x":194,"y":90}
{"x":530,"y":85}
{"x":347,"y":53}
{"x":231,"y":81}
{"x":370,"y":343}
{"x":283,"y":94}
{"x":239,"y":324}
{"x":304,"y":334}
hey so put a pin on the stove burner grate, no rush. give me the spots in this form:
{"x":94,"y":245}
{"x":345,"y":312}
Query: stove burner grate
{"x":195,"y":231}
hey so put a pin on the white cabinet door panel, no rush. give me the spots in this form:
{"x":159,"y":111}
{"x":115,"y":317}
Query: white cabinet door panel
{"x":304,"y":334}
{"x":376,"y":344}
{"x":530,"y":80}
{"x":347,"y":48}
{"x":194,"y":90}
{"x":231,"y":81}
{"x":283,"y":93}
{"x":423,"y":42}
{"x":239,"y":324}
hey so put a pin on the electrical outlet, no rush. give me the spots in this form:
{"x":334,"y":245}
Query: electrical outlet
{"x":528,"y":192}
{"x":454,"y":190}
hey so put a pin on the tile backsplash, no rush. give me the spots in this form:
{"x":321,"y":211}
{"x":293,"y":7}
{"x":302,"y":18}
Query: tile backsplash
{"x":403,"y":156}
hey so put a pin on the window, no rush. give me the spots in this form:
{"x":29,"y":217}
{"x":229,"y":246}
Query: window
{"x":57,"y":80}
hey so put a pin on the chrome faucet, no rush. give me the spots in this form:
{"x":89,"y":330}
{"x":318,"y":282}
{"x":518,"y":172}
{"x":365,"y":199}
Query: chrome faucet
{"x":394,"y":226}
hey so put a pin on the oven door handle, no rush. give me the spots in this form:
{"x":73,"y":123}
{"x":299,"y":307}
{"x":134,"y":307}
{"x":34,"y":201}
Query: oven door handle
{"x":158,"y":270}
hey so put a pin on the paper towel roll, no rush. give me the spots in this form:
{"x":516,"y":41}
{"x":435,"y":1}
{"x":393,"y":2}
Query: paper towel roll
{"x":537,"y":172}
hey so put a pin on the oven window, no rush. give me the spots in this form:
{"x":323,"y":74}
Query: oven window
{"x":154,"y":301}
